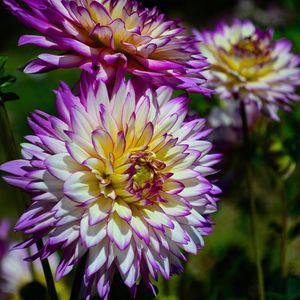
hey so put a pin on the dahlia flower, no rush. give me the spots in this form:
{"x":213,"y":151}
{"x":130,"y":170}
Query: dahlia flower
{"x":97,"y":34}
{"x":247,"y":65}
{"x":120,"y":178}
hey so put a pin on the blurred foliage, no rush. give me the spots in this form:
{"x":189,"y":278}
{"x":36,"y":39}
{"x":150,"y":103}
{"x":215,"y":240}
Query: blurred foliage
{"x":225,"y":268}
{"x":5,"y":81}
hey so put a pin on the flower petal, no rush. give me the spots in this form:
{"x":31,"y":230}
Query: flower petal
{"x":81,"y":187}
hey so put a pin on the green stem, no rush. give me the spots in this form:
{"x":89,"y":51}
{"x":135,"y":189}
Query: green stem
{"x":284,"y":236}
{"x":48,"y":274}
{"x":10,"y":148}
{"x":259,"y":269}
{"x":166,"y":289}
{"x":7,"y":137}
{"x":12,"y":152}
{"x":78,"y":279}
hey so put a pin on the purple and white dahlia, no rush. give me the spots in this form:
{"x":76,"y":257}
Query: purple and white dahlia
{"x":247,"y":65}
{"x":95,"y":35}
{"x":121,"y":178}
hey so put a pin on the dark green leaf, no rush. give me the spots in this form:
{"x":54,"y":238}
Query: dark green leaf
{"x":294,"y":231}
{"x":10,"y":96}
{"x":6,"y":81}
{"x":3,"y":60}
{"x":279,"y":159}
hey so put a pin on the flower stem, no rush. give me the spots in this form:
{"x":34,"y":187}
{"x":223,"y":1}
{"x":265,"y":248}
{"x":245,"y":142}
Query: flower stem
{"x":10,"y":148}
{"x":284,"y":236}
{"x":7,"y":137}
{"x":48,"y":274}
{"x":11,"y":152}
{"x":77,"y":283}
{"x":259,"y":269}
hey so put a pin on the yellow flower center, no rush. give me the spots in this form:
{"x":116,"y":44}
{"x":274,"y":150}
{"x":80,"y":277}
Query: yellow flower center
{"x":248,"y":46}
{"x":146,"y":168}
{"x":144,"y":174}
{"x":247,"y":60}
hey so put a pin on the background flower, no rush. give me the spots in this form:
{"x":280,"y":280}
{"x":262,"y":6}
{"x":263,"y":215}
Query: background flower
{"x":97,"y":35}
{"x":227,"y":123}
{"x":16,"y":274}
{"x":4,"y":229}
{"x":247,"y":65}
{"x":121,"y":177}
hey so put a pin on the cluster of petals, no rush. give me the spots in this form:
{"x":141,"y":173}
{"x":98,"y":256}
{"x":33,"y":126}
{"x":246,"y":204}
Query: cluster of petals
{"x":247,"y":65}
{"x":119,"y":178}
{"x":95,"y":35}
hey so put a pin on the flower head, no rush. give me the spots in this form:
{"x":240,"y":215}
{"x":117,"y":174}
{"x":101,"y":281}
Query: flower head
{"x":97,"y":34}
{"x":246,"y":64}
{"x":120,"y":177}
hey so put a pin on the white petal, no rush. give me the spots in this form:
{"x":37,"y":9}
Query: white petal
{"x":122,"y":209}
{"x":119,"y":232}
{"x":99,"y":210}
{"x":62,"y":165}
{"x":97,"y":257}
{"x":82,"y":186}
{"x":92,"y":234}
{"x":139,"y":225}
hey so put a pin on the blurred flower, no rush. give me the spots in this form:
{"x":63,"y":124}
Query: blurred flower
{"x":95,"y":35}
{"x":120,"y":176}
{"x":247,"y":65}
{"x":228,"y":124}
{"x":4,"y":230}
{"x":16,"y":273}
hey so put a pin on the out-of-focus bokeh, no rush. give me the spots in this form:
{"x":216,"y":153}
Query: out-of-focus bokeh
{"x":225,"y":268}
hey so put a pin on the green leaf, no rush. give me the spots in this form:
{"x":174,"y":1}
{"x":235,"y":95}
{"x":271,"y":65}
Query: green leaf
{"x":6,"y":81}
{"x":294,"y":231}
{"x":279,"y":159}
{"x":3,"y":60}
{"x":10,"y":96}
